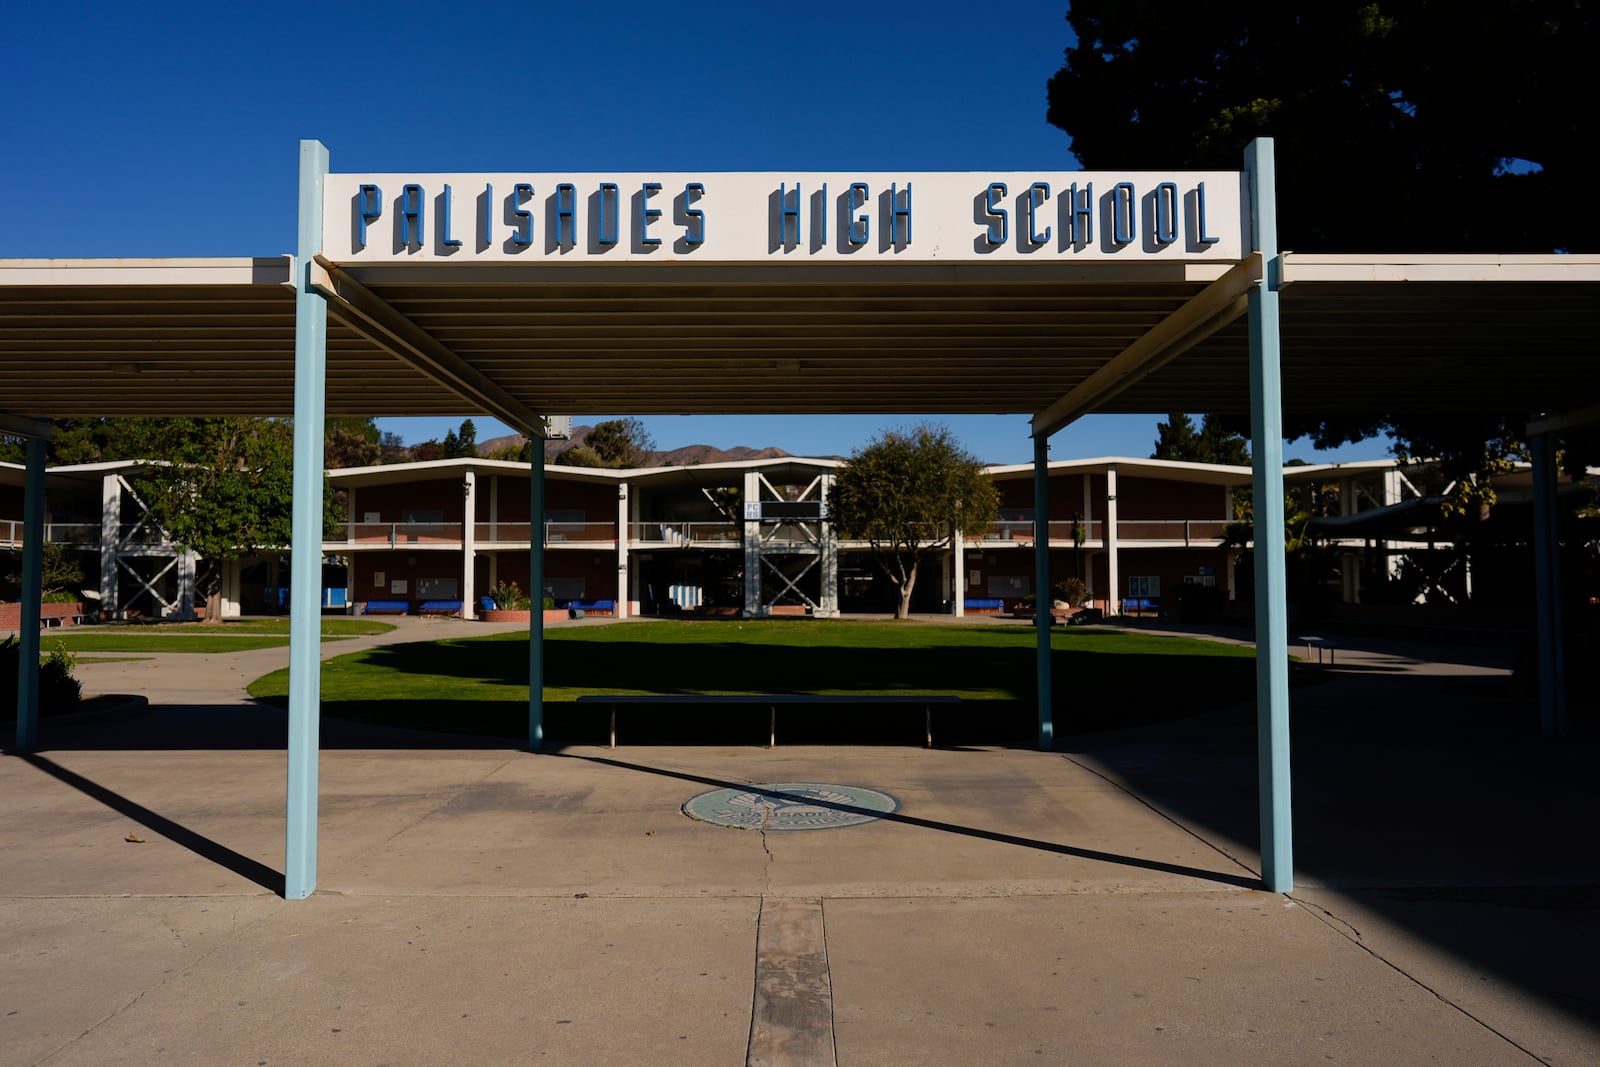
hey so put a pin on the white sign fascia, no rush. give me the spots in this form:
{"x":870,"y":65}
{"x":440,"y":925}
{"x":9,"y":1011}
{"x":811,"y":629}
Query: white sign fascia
{"x":715,"y":217}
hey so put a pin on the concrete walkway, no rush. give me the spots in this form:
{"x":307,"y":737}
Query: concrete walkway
{"x":480,"y":905}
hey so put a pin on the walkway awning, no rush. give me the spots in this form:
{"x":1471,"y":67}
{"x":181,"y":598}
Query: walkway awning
{"x":980,"y":316}
{"x":1426,"y":334}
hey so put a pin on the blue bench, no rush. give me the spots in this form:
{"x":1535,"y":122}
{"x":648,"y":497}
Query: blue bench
{"x":440,"y":607}
{"x":388,"y":607}
{"x":1141,"y":603}
{"x":580,"y":608}
{"x":983,"y":605}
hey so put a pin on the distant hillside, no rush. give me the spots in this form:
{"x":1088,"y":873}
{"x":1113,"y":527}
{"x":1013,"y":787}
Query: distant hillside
{"x":678,"y":457}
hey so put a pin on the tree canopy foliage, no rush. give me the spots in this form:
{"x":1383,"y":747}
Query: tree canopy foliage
{"x":1399,"y":126}
{"x":349,"y":442}
{"x":460,"y":444}
{"x":906,"y":493}
{"x":1178,"y":439}
{"x":614,"y":443}
{"x":620,"y":442}
{"x":223,"y":487}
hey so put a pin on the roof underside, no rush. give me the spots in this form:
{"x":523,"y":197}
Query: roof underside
{"x":214,"y":337}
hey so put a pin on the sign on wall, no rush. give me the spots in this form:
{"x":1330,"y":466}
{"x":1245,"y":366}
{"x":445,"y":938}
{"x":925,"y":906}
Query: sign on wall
{"x":769,"y":217}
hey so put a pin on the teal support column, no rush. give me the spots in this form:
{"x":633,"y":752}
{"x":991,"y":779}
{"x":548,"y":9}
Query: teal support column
{"x":536,"y":607}
{"x":305,"y":575}
{"x":1549,"y":625}
{"x":29,"y":605}
{"x":1042,"y":618}
{"x":1266,"y":437}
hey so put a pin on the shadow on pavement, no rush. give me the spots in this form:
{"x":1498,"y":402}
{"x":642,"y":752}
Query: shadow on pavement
{"x":177,"y":833}
{"x":1243,"y":881}
{"x":1429,"y":800}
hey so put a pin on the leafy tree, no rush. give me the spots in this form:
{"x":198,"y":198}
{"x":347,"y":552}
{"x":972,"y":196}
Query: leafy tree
{"x":1443,"y":107}
{"x":60,"y":570}
{"x":522,"y":453}
{"x":392,"y":448}
{"x":351,"y":442}
{"x":1176,"y":438}
{"x":1214,"y":442}
{"x":620,"y":443}
{"x":907,"y":493}
{"x":461,"y":444}
{"x":222,"y":486}
{"x":1399,"y":90}
{"x":580,"y":456}
{"x":79,"y":440}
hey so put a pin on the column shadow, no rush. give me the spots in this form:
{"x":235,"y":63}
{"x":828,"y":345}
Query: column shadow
{"x":156,"y":823}
{"x":1241,"y":881}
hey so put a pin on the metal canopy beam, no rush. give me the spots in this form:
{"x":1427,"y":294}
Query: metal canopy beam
{"x":1220,"y":303}
{"x":28,"y":429}
{"x":144,"y":337}
{"x":365,"y":312}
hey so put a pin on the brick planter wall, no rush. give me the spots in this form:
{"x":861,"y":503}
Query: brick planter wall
{"x":11,"y":614}
{"x":520,"y":615}
{"x":505,"y":614}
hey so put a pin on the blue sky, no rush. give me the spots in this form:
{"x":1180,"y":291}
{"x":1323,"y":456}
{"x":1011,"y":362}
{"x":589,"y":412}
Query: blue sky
{"x":171,"y":129}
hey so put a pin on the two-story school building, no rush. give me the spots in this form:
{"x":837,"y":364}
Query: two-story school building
{"x":755,"y":538}
{"x":750,"y":538}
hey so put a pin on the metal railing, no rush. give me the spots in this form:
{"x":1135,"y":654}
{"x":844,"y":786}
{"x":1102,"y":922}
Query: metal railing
{"x":685,"y":534}
{"x":81,"y":534}
{"x":398,"y":534}
{"x":1188,"y":531}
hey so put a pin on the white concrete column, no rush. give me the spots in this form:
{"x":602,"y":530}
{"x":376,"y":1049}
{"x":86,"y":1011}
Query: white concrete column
{"x":186,"y":569}
{"x":1392,"y":481}
{"x":958,"y":552}
{"x":634,"y":510}
{"x":752,"y":545}
{"x":232,"y":608}
{"x":624,"y":498}
{"x":1088,"y":520}
{"x":828,"y":598}
{"x":469,"y":546}
{"x":110,"y":540}
{"x":1113,"y":572}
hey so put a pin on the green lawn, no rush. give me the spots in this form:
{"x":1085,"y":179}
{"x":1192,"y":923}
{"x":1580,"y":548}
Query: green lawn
{"x":479,"y":685}
{"x":331,"y":626}
{"x":240,"y":636}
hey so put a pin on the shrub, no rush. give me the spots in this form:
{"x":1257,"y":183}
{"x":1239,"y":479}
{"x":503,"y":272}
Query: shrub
{"x":59,"y":691}
{"x":509,"y":596}
{"x":1071,"y":591}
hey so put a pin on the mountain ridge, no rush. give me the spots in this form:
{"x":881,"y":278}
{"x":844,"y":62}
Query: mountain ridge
{"x":686,"y":456}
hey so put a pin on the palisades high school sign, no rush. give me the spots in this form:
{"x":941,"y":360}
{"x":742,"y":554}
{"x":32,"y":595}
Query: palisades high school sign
{"x":784,"y":217}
